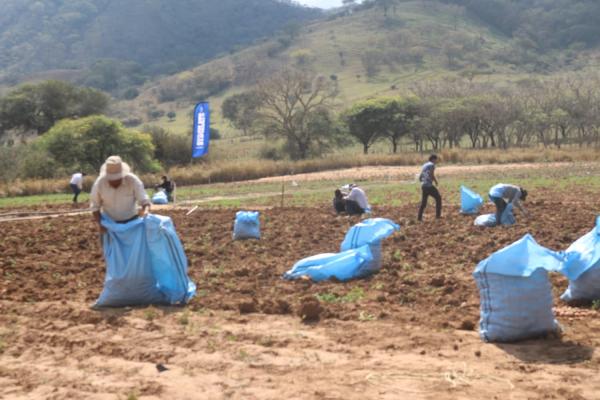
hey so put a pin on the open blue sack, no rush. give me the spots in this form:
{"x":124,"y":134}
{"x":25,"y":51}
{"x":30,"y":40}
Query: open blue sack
{"x":145,"y":264}
{"x":370,"y":232}
{"x":470,"y":202}
{"x":247,"y":225}
{"x":515,"y":293}
{"x":489,"y":220}
{"x":343,"y":266}
{"x":160,"y":197}
{"x":582,"y":267}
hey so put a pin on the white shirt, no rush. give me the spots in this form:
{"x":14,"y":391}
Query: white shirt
{"x":358,"y":195}
{"x":77,"y":179}
{"x":120,"y":203}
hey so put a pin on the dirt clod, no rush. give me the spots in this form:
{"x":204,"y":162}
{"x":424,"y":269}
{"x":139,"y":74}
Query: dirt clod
{"x":310,"y":309}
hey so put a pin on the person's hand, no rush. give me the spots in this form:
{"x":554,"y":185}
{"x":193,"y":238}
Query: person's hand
{"x":143,"y":212}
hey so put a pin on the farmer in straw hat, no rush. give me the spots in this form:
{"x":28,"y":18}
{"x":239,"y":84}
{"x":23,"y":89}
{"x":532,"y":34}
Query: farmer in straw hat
{"x":116,"y":192}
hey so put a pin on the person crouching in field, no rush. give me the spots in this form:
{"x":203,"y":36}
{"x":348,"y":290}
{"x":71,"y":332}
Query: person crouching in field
{"x":356,"y":202}
{"x":514,"y":194}
{"x":339,"y":203}
{"x":76,"y":184}
{"x":427,"y":179}
{"x":116,"y":192}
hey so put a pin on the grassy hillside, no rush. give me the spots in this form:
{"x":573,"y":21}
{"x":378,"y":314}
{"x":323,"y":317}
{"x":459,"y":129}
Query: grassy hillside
{"x":114,"y":45}
{"x":366,"y":53}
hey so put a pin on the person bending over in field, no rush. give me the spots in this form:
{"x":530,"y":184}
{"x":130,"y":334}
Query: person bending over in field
{"x":339,"y":203}
{"x":116,"y":192}
{"x":427,"y":179}
{"x":76,"y":184}
{"x":167,"y":185}
{"x":356,"y":202}
{"x":514,"y":194}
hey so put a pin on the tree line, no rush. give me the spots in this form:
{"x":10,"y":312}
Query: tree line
{"x":299,"y":109}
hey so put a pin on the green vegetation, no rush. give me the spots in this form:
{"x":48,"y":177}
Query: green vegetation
{"x":354,"y":295}
{"x":115,"y":44}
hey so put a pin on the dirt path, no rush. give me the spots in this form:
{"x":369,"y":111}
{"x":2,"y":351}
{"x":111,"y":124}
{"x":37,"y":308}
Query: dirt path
{"x":410,"y":172}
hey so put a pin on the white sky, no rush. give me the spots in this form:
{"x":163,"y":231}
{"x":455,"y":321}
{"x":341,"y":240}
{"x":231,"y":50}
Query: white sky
{"x":321,"y":3}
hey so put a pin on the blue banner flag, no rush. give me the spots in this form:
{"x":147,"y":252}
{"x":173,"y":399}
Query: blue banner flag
{"x":201,"y":135}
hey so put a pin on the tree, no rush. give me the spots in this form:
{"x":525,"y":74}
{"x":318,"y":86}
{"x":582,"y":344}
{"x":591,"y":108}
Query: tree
{"x":37,"y":107}
{"x":171,"y":115}
{"x":85,"y":143}
{"x":241,"y":110}
{"x":402,"y":114}
{"x":294,"y":106}
{"x":368,"y":121}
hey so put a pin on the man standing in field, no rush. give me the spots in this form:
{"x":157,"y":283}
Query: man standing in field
{"x":116,"y":192}
{"x":427,"y":179}
{"x":77,"y":184}
{"x":512,"y":193}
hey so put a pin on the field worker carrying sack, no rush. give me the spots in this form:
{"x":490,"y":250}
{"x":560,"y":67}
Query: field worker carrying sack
{"x":145,"y":262}
{"x":514,"y":194}
{"x":116,"y":192}
{"x":427,"y":179}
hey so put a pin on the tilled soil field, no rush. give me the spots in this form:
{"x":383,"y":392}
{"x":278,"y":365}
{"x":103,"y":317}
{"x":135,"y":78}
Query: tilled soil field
{"x":409,"y":331}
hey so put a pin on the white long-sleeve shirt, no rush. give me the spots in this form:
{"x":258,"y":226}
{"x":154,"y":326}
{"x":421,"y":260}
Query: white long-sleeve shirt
{"x":120,"y":203}
{"x":358,"y":195}
{"x":511,"y":193}
{"x":77,"y":179}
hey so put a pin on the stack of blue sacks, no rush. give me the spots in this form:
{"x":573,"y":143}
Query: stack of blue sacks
{"x":360,"y":254}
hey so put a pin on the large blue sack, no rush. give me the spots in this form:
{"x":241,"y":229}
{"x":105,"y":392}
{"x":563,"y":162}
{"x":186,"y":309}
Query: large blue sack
{"x":470,"y":202}
{"x":515,"y":293}
{"x":370,"y":232}
{"x":582,"y":267}
{"x":247,"y":225}
{"x":145,"y":264}
{"x":343,"y":266}
{"x":160,"y":197}
{"x":489,"y":220}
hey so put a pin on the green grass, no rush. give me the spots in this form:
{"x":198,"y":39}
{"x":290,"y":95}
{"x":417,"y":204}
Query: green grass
{"x":354,"y":295}
{"x":36,"y":200}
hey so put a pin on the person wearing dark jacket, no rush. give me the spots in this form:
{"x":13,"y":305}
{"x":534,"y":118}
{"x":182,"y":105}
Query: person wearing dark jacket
{"x":427,"y":179}
{"x":166,"y":185}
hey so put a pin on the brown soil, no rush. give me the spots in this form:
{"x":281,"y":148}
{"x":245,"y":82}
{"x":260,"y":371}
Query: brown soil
{"x":409,"y":331}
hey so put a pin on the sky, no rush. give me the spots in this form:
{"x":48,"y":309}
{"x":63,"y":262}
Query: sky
{"x":321,"y":3}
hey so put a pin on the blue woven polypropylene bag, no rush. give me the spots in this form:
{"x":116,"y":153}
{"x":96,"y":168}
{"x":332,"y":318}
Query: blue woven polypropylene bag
{"x":515,"y":293}
{"x":160,"y":197}
{"x":370,"y":232}
{"x":145,"y":264}
{"x":470,"y":202}
{"x":350,"y":264}
{"x":247,"y":225}
{"x":582,"y":267}
{"x":489,"y":220}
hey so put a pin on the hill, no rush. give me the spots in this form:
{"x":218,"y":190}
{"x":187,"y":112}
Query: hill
{"x":113,"y":44}
{"x":370,"y":51}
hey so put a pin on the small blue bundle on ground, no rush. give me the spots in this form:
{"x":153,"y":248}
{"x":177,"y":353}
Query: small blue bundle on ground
{"x":145,"y":264}
{"x":470,"y":202}
{"x":370,"y":232}
{"x":515,"y":293}
{"x":343,"y":266}
{"x":360,"y":254}
{"x":489,"y":220}
{"x":582,"y":267}
{"x":247,"y":225}
{"x":160,"y":197}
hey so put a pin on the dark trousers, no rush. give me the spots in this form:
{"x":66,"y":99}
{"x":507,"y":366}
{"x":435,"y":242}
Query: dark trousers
{"x":433,"y":192}
{"x":339,"y":205}
{"x":76,"y":192}
{"x":352,"y":208}
{"x":500,"y":207}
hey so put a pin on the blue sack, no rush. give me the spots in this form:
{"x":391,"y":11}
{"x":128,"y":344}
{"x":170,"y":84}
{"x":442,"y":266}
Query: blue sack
{"x":470,"y":202}
{"x":145,"y":264}
{"x":489,"y":220}
{"x":160,"y":197}
{"x":515,"y":293}
{"x":247,"y":225}
{"x":343,"y":266}
{"x":582,"y":267}
{"x":370,"y":232}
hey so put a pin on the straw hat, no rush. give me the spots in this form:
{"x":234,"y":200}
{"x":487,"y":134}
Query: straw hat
{"x":114,"y":168}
